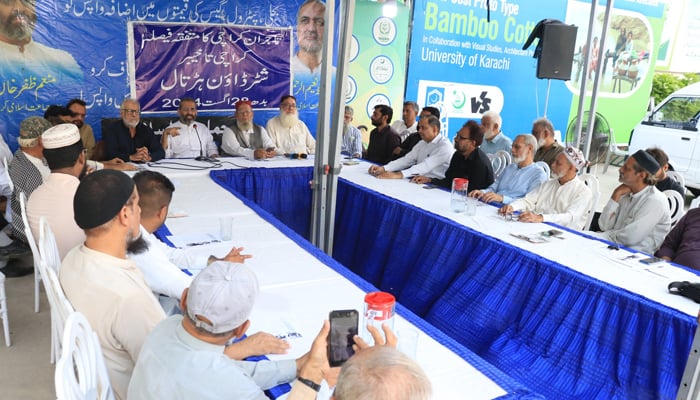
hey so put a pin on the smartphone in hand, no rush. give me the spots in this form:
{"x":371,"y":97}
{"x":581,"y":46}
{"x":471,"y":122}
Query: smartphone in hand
{"x":341,"y":337}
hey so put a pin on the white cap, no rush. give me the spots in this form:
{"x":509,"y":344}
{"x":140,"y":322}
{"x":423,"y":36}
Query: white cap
{"x":224,"y":294}
{"x":62,"y":135}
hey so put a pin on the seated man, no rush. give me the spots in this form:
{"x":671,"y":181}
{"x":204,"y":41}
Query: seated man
{"x":382,"y":140}
{"x":637,"y":214}
{"x":63,"y":151}
{"x":564,"y":199}
{"x":57,"y":114}
{"x":430,"y":157}
{"x":79,"y":110}
{"x":495,"y":139}
{"x":160,"y":264}
{"x":519,"y":178}
{"x":352,"y":138}
{"x":682,"y":244}
{"x":289,"y":133}
{"x":663,"y":181}
{"x":101,"y":282}
{"x":184,"y":355}
{"x":27,"y":170}
{"x":548,"y":148}
{"x":467,"y":162}
{"x":407,"y":124}
{"x":130,"y":139}
{"x":188,"y":138}
{"x":414,"y":138}
{"x":246,"y":138}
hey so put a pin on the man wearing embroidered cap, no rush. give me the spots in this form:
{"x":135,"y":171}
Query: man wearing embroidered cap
{"x":63,"y":151}
{"x":184,"y":355}
{"x":564,"y":199}
{"x":246,"y":138}
{"x":637,"y":214}
{"x":101,"y":282}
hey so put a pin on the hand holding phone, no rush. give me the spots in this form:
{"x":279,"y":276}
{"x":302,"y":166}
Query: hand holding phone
{"x":341,"y":337}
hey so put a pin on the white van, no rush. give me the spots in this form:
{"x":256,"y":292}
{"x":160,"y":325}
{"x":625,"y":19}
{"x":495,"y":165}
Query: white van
{"x":673,"y":127}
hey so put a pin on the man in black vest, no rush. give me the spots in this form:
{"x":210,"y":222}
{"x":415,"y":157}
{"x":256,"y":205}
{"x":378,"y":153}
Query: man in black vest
{"x":245,"y":137}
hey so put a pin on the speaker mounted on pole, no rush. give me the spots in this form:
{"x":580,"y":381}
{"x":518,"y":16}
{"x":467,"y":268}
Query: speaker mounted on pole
{"x":555,"y":49}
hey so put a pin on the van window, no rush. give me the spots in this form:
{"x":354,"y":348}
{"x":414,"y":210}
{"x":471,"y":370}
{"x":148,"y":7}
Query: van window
{"x":679,"y":113}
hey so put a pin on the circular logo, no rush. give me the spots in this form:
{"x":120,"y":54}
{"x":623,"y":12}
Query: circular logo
{"x":381,"y":69}
{"x":459,"y":99}
{"x":354,"y":48}
{"x":350,"y":90}
{"x":384,"y":31}
{"x":376,"y":100}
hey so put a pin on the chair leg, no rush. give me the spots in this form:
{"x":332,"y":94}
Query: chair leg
{"x":3,"y":311}
{"x":37,"y":279}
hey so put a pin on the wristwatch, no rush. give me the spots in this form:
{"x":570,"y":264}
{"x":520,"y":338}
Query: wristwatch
{"x":315,"y":386}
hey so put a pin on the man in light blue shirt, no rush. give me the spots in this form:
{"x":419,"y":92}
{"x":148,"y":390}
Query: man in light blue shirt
{"x":494,"y":139}
{"x":519,"y":178}
{"x":352,"y":137}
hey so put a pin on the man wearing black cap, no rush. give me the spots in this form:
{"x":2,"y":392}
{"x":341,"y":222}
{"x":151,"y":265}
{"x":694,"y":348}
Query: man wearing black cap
{"x":101,"y":282}
{"x":637,"y":214}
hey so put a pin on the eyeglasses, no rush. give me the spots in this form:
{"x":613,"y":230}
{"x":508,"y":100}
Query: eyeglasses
{"x":132,"y":112}
{"x":288,"y":106}
{"x":460,"y":138}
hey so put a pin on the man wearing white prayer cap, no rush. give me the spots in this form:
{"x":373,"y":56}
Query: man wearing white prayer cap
{"x":63,"y":151}
{"x":565,"y":199}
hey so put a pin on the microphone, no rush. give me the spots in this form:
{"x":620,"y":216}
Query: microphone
{"x":295,"y":156}
{"x":201,"y":151}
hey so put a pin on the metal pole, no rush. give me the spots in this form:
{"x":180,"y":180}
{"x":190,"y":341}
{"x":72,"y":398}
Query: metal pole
{"x":329,"y":129}
{"x":584,"y":77}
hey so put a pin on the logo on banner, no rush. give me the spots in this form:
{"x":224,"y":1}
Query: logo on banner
{"x":434,"y":96}
{"x":381,"y":69}
{"x":376,"y":100}
{"x":384,"y":31}
{"x":351,"y":90}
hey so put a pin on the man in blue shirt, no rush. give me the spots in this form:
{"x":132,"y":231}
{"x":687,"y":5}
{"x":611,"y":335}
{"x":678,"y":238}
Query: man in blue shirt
{"x":519,"y":178}
{"x":494,"y":139}
{"x":352,"y":138}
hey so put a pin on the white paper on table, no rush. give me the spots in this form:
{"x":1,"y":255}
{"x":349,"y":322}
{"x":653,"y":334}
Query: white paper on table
{"x":193,"y":239}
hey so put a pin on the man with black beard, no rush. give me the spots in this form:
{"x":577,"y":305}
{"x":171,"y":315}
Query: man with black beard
{"x":23,"y":57}
{"x":78,"y":108}
{"x":101,"y":282}
{"x":53,"y":199}
{"x":290,"y":134}
{"x":188,"y":138}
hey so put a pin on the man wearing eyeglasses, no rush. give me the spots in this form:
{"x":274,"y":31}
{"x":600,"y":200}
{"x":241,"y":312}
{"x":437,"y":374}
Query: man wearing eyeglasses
{"x":130,"y":139}
{"x":469,"y":161}
{"x":290,"y":134}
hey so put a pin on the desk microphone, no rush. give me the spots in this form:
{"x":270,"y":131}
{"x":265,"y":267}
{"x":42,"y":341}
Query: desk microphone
{"x":201,"y":151}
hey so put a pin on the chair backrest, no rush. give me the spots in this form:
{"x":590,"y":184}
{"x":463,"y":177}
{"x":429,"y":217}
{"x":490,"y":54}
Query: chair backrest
{"x":499,"y":162}
{"x":592,"y":182}
{"x":28,"y":232}
{"x":81,"y":372}
{"x":47,"y":245}
{"x":677,"y":177}
{"x":7,"y":174}
{"x":61,"y":308}
{"x":545,"y":168}
{"x":676,"y":203}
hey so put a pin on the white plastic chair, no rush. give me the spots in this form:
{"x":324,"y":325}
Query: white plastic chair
{"x":677,"y":177}
{"x":545,"y":168}
{"x":60,"y":309}
{"x":676,"y":203}
{"x":48,"y":249}
{"x":3,"y":310}
{"x":614,"y":151}
{"x":499,"y":162}
{"x":7,"y":174}
{"x":33,"y":246}
{"x":592,"y":182}
{"x":81,"y":372}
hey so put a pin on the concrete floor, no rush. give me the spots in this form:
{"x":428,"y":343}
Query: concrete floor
{"x":25,"y":371}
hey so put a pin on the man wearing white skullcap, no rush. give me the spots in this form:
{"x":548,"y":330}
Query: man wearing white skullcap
{"x":53,"y":199}
{"x":184,"y":355}
{"x":565,"y":199}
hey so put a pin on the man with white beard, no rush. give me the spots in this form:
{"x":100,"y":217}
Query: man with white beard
{"x":547,"y":148}
{"x":311,"y":19}
{"x":565,"y":199}
{"x":289,"y":133}
{"x":494,"y":139}
{"x":246,"y":138}
{"x":519,"y":178}
{"x":129,"y":138}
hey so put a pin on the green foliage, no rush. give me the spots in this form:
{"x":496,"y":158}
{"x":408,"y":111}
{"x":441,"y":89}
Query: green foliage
{"x":665,"y":84}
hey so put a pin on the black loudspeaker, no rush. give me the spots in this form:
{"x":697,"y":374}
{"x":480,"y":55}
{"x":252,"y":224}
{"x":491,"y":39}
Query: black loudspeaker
{"x":557,"y":51}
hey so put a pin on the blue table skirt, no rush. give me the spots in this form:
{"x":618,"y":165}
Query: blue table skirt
{"x":558,"y":332}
